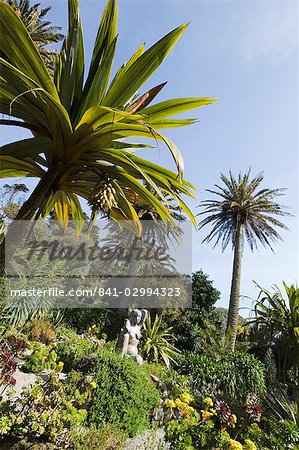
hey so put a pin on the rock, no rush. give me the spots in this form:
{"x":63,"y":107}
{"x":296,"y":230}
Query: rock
{"x":149,"y":440}
{"x":22,"y":380}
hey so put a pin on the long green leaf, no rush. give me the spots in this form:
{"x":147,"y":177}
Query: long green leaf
{"x":61,"y":205}
{"x":27,"y":148}
{"x":72,"y":59}
{"x":171,"y":123}
{"x":77,"y":213}
{"x":103,"y":44}
{"x":172,"y":107}
{"x":136,"y":75}
{"x":59,"y":125}
{"x":94,"y":95}
{"x":126,"y":66}
{"x":10,"y":162}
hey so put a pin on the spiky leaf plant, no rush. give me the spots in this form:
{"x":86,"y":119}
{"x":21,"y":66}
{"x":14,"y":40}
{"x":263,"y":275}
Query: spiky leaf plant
{"x":80,"y":123}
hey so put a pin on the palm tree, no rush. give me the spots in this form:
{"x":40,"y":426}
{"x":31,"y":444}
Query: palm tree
{"x":245,"y":212}
{"x":41,"y":31}
{"x":79,"y":128}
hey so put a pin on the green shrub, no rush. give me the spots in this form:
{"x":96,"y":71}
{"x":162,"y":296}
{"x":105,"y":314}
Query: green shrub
{"x":41,"y":331}
{"x":232,"y":376}
{"x":42,"y":357}
{"x":171,"y":379}
{"x":124,"y":395}
{"x":109,"y":321}
{"x":187,"y":433}
{"x":43,"y":411}
{"x":76,"y":353}
{"x":197,"y":329}
{"x":274,"y":435}
{"x":106,"y":438}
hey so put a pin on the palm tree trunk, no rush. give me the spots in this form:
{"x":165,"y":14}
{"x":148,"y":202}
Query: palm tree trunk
{"x":26,"y":212}
{"x":233,"y":311}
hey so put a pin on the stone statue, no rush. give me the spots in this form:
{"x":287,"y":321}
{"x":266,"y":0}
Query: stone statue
{"x":131,"y":334}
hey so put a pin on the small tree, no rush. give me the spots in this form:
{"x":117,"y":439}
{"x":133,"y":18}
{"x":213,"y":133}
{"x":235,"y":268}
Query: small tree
{"x":198,"y":328}
{"x":11,"y":198}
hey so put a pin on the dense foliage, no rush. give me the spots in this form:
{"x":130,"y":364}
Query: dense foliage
{"x":233,"y":376}
{"x":210,"y":425}
{"x":276,"y":326}
{"x":123,"y":396}
{"x":197,"y":329}
{"x":75,"y":352}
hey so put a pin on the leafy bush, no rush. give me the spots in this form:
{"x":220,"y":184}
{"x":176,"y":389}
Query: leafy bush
{"x":197,"y":329}
{"x":215,"y":426}
{"x":186,"y":434}
{"x":41,"y":331}
{"x":43,"y":357}
{"x":124,"y":396}
{"x":276,"y":326}
{"x":44,"y":411}
{"x":108,"y":437}
{"x":274,"y":435}
{"x":189,"y":428}
{"x":233,"y":376}
{"x":75,"y":352}
{"x":174,"y":382}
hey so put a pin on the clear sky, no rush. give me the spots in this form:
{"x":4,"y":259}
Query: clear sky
{"x":245,"y":53}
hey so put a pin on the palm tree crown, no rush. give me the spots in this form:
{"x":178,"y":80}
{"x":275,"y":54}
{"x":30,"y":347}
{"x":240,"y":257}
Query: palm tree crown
{"x":243,"y":204}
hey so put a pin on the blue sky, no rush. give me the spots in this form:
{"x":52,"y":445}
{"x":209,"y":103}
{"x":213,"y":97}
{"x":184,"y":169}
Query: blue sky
{"x":245,"y":53}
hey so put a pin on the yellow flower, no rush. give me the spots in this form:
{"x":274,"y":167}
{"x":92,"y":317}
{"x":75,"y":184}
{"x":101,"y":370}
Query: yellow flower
{"x":170,"y":404}
{"x":179,"y":403}
{"x":234,"y":445}
{"x":185,"y":397}
{"x":249,"y":445}
{"x":187,"y":410}
{"x":93,"y":384}
{"x":206,"y":414}
{"x":255,"y":426}
{"x":234,"y":418}
{"x":208,"y":401}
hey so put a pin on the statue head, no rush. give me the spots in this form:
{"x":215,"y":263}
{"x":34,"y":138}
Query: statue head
{"x":135,"y":316}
